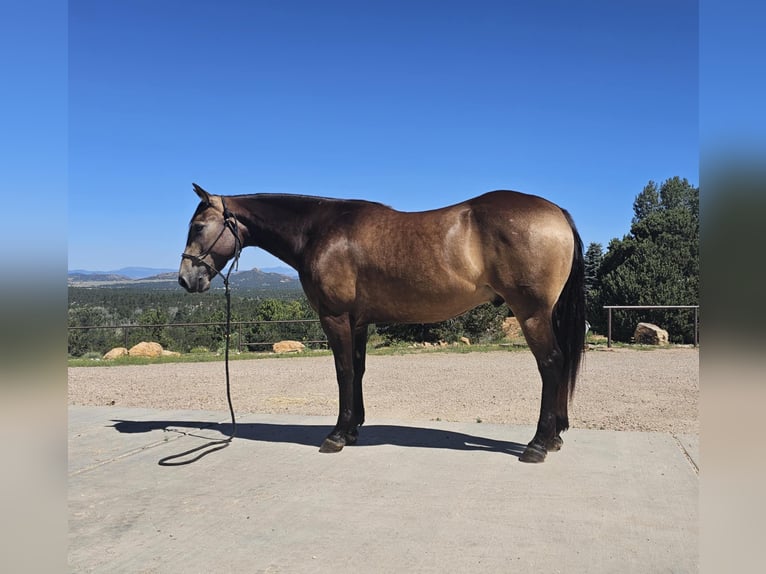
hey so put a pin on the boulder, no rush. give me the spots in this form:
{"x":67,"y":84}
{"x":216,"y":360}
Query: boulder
{"x":512,"y":329}
{"x":465,"y":341}
{"x":650,"y":334}
{"x":114,"y":353}
{"x":288,"y":347}
{"x":146,"y":349}
{"x":166,"y":353}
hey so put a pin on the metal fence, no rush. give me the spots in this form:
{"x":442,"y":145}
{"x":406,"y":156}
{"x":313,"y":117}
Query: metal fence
{"x":245,"y":335}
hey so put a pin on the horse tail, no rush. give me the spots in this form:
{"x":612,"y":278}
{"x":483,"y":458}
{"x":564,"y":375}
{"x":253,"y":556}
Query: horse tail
{"x":569,"y":313}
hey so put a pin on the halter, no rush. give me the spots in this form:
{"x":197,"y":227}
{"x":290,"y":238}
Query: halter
{"x":230,"y":223}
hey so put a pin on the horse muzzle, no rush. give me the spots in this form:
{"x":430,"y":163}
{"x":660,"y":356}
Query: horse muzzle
{"x":193,"y":278}
{"x":198,"y":285}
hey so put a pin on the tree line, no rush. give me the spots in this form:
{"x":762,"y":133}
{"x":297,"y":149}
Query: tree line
{"x":656,"y":263}
{"x":123,"y":317}
{"x":133,"y":315}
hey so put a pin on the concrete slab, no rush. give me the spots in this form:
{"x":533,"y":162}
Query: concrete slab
{"x":411,"y":496}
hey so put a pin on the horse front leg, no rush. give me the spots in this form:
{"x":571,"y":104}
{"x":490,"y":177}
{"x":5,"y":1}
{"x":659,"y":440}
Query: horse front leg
{"x":340,"y":338}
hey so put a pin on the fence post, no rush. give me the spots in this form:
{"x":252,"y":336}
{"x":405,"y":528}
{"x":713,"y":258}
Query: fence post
{"x":609,"y":330}
{"x":696,"y":327}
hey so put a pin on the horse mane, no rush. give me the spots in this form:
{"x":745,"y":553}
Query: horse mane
{"x":312,"y":200}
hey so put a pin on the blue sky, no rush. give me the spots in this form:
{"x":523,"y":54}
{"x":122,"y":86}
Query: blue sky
{"x":416,"y":104}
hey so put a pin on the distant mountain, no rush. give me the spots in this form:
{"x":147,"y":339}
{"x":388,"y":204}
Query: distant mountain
{"x":129,"y":272}
{"x":93,"y":276}
{"x":255,"y":279}
{"x":259,"y":279}
{"x":153,"y":272}
{"x":289,"y":271}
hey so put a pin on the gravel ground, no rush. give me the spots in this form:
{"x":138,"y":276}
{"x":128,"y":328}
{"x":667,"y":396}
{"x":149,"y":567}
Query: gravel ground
{"x":619,"y":389}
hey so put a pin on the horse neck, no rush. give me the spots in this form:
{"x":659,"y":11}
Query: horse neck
{"x":278,"y":224}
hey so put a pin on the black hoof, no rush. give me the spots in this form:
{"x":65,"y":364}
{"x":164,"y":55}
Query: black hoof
{"x":533,"y":453}
{"x":332,"y":445}
{"x":554,"y":444}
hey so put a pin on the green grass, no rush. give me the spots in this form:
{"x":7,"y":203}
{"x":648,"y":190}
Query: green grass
{"x":374,"y":350}
{"x":186,"y":358}
{"x":199,"y":357}
{"x":409,"y":349}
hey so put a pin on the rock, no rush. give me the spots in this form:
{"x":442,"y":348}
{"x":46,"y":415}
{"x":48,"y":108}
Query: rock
{"x":166,"y":353}
{"x":465,"y":341}
{"x":144,"y":349}
{"x":116,"y":352}
{"x":512,"y":329}
{"x":288,"y":347}
{"x":650,"y":334}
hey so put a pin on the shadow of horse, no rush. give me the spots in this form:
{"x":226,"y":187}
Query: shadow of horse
{"x":311,"y":435}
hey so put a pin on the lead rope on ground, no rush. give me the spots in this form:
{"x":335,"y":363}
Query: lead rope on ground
{"x":215,"y":445}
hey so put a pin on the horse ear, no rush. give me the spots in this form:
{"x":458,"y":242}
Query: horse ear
{"x":203,"y":195}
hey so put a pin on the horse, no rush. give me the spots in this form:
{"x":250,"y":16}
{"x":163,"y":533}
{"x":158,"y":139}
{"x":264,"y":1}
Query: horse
{"x":361,"y":262}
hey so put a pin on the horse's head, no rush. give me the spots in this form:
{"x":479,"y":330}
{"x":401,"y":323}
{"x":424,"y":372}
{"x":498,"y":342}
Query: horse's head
{"x":213,"y":240}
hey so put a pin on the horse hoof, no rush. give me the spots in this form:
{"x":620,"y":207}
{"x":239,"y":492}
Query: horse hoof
{"x":554,"y":444}
{"x":533,"y":453}
{"x":330,"y":445}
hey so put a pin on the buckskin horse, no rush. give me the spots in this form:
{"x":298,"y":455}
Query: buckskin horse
{"x":361,"y":262}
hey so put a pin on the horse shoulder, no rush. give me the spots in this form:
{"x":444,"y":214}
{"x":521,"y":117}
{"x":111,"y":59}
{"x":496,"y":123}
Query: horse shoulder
{"x":331,"y":261}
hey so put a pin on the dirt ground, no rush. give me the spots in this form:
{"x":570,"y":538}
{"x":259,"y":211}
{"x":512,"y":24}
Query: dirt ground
{"x":618,"y":389}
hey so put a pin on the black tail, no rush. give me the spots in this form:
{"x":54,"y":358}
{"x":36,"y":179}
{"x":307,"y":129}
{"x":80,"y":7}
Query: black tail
{"x":569,"y":313}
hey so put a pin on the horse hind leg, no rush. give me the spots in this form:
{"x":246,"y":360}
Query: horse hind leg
{"x":538,"y":331}
{"x":562,"y":417}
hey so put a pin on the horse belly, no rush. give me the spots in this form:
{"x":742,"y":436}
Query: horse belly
{"x":418,"y":302}
{"x":426,"y":277}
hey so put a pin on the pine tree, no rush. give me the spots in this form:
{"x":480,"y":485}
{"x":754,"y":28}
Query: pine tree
{"x":646,"y":202}
{"x":594,"y":256}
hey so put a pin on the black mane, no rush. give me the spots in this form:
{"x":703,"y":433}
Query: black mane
{"x":306,"y":199}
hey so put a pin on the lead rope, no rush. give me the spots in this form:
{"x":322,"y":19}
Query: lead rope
{"x":227,"y":292}
{"x":215,"y":445}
